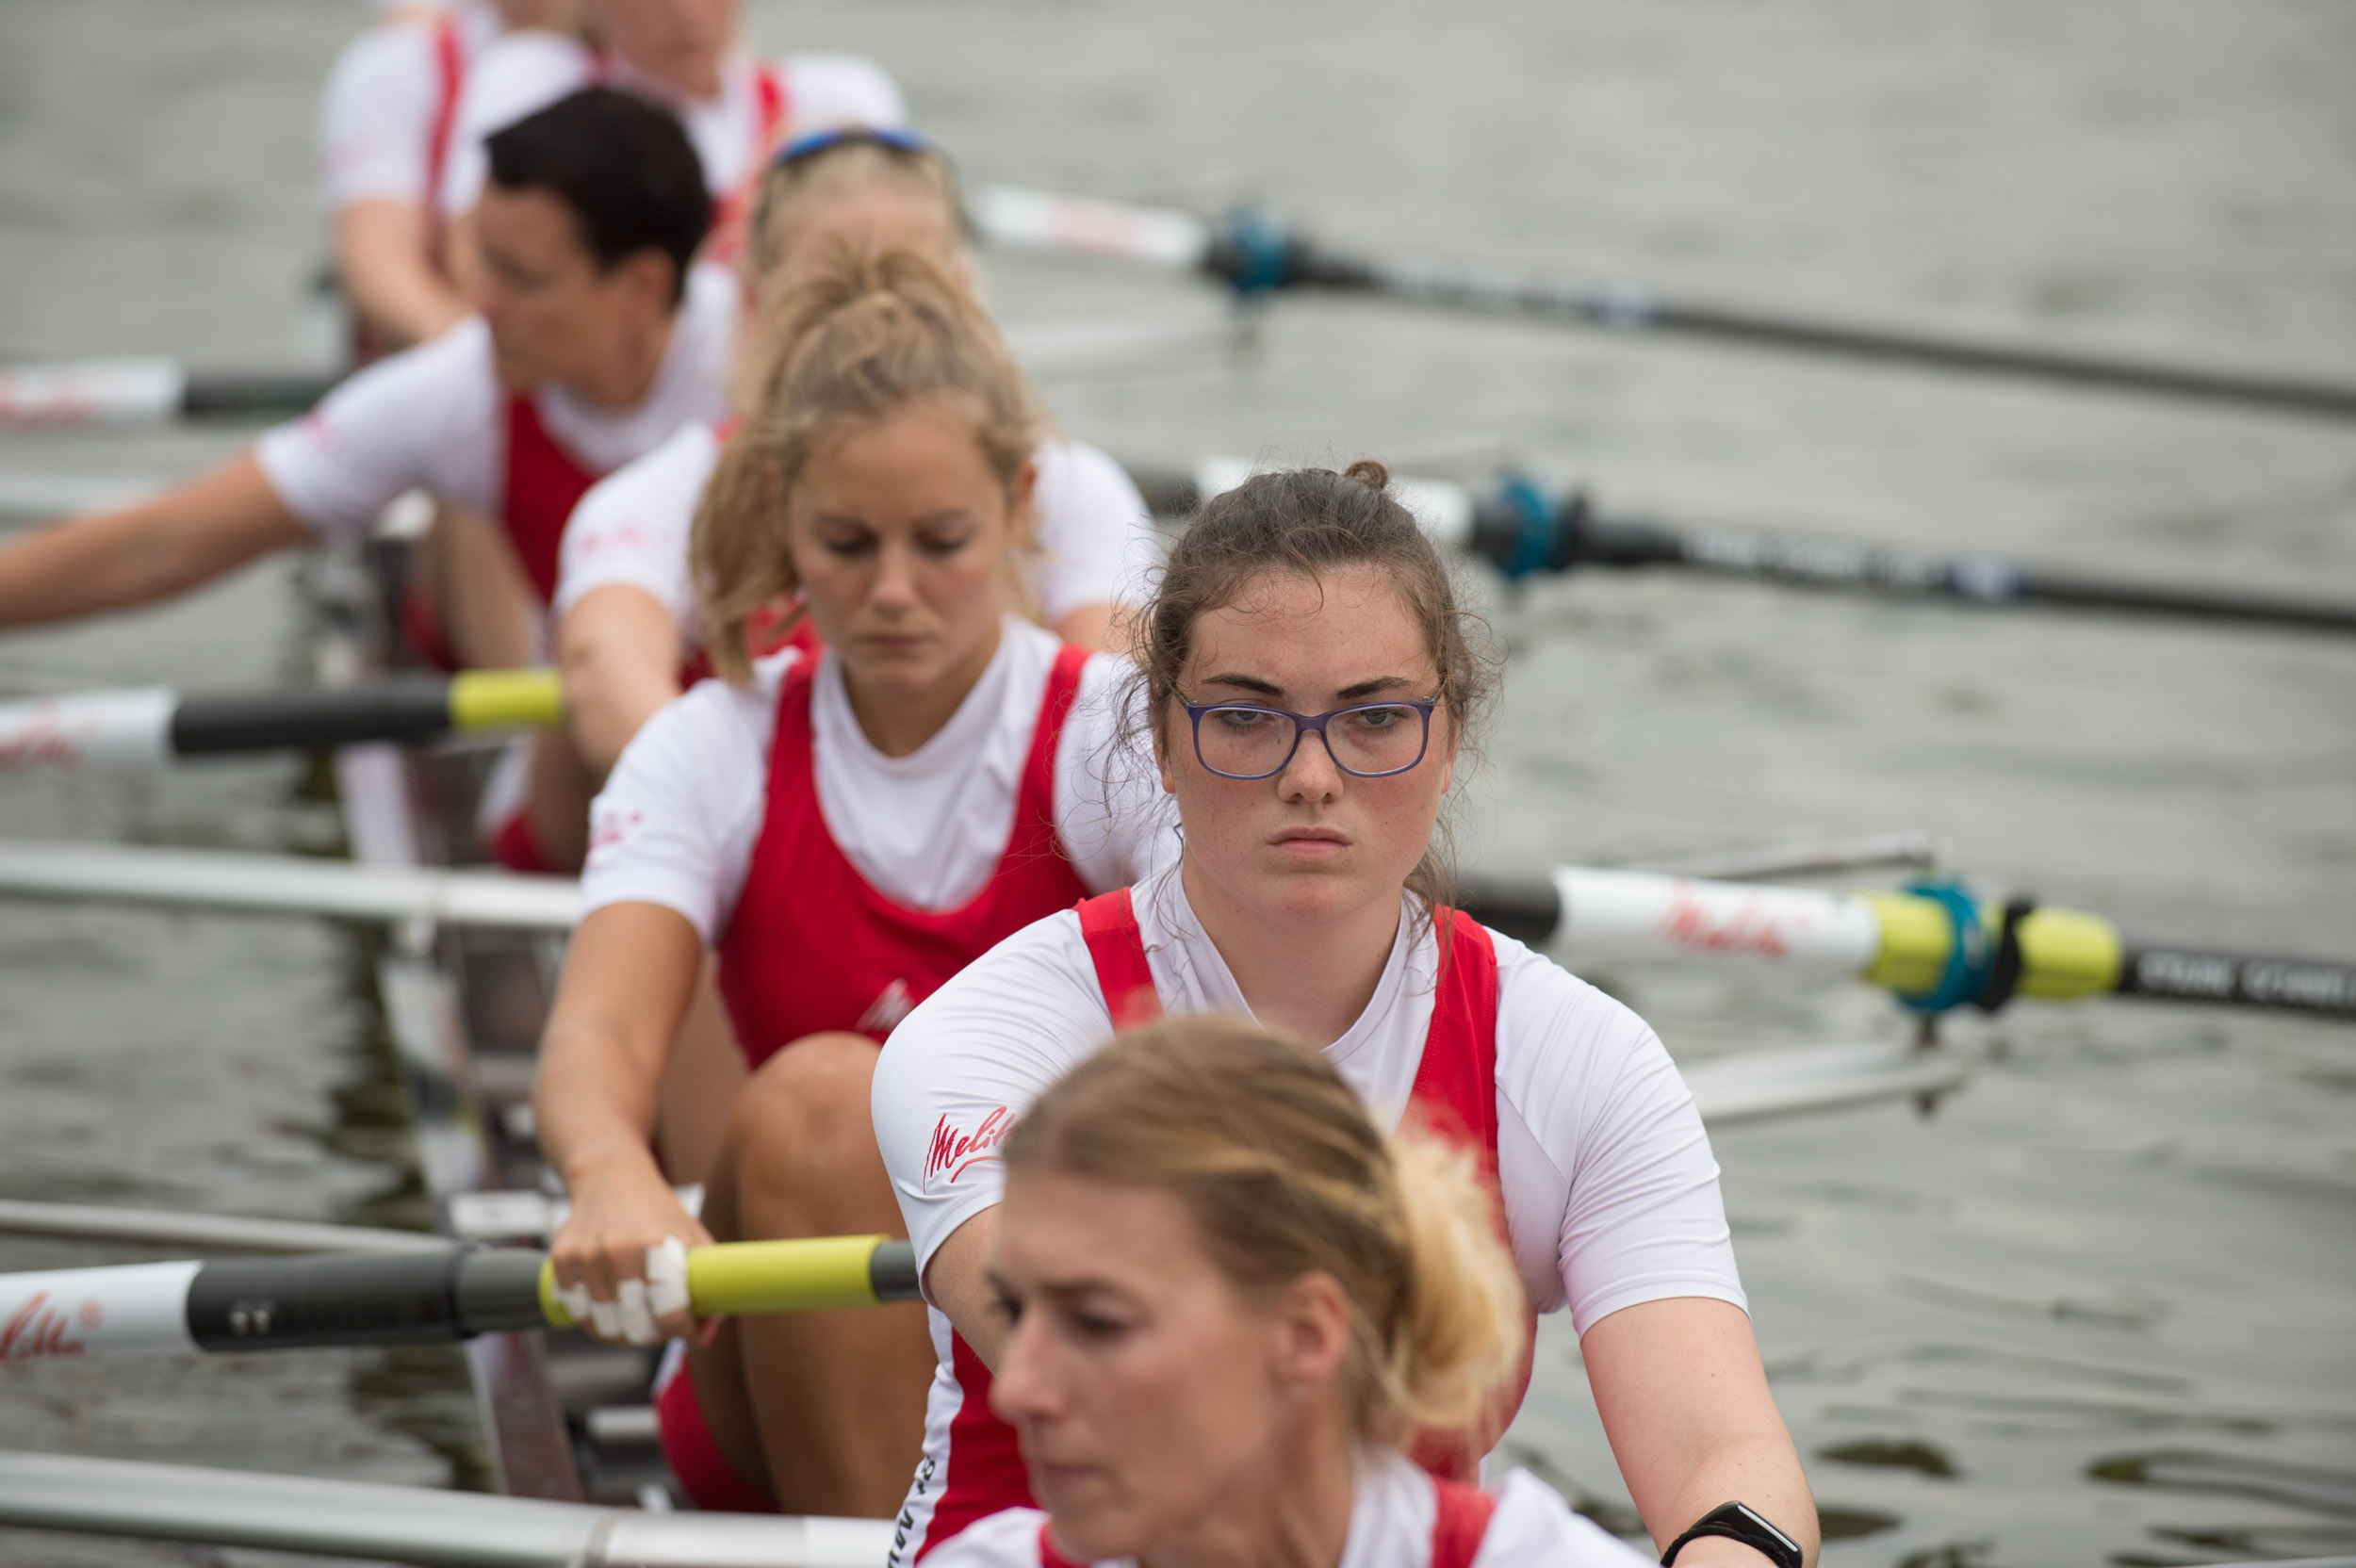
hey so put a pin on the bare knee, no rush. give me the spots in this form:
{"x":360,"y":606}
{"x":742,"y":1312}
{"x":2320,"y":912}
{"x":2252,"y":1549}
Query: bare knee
{"x":801,"y":1140}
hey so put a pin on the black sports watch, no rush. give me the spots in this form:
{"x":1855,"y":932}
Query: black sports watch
{"x":1740,"y":1522}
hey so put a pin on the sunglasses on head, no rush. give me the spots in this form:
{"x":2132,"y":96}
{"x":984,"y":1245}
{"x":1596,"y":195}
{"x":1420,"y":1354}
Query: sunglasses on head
{"x":891,"y":138}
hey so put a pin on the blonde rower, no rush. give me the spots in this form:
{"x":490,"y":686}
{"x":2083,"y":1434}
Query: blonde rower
{"x":1229,"y":1300}
{"x":846,"y":832}
{"x":628,"y":633}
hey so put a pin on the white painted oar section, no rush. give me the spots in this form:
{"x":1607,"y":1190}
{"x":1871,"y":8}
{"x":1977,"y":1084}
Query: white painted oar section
{"x":1633,"y":914}
{"x":119,"y":729}
{"x":1120,"y":231}
{"x":91,"y":391}
{"x":407,"y":1524}
{"x":1761,"y":1085}
{"x":52,"y":1316}
{"x":284,"y":883}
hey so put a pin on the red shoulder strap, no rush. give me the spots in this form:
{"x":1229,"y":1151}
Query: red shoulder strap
{"x":1461,"y":1522}
{"x":1109,"y":923}
{"x":769,"y":87}
{"x":450,"y":78}
{"x":1456,"y":1081}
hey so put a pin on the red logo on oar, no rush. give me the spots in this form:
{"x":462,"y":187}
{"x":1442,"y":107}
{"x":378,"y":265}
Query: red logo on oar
{"x":37,"y":1332}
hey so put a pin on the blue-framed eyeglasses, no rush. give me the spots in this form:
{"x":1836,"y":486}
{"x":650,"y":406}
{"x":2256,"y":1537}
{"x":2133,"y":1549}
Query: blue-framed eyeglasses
{"x":1367,"y":740}
{"x":897,"y":138}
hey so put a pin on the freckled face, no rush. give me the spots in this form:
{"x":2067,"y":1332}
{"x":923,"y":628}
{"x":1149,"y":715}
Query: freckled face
{"x":1311,"y":843}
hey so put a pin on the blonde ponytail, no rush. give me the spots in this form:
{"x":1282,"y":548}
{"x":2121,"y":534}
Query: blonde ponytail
{"x":860,"y":338}
{"x":1284,"y":1176}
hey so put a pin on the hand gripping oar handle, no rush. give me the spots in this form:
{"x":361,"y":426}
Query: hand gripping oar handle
{"x":287,"y":1303}
{"x":1934,"y":945}
{"x":152,"y":726}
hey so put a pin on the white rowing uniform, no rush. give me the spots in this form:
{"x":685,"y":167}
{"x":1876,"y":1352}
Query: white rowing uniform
{"x":760,"y":104}
{"x":391,"y":102}
{"x":1396,"y":1521}
{"x":677,"y":822}
{"x":1609,"y":1193}
{"x":1096,"y":538}
{"x":436,"y":417}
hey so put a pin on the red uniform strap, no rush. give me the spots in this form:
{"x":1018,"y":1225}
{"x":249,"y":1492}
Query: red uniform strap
{"x":1460,"y":1520}
{"x":769,"y":89}
{"x":450,"y":78}
{"x":1109,"y":923}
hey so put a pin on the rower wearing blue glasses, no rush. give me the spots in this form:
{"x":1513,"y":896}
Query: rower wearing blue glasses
{"x":1307,"y":686}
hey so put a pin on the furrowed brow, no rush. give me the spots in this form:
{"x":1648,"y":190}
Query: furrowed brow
{"x":1246,"y":682}
{"x":1375,"y":687}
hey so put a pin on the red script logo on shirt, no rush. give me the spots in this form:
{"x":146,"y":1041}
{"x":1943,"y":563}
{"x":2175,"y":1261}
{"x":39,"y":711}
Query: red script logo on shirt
{"x":952,"y":1152}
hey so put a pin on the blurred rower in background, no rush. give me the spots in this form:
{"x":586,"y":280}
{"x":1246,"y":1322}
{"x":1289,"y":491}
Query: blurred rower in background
{"x":386,"y":121}
{"x":597,"y":339}
{"x":686,"y":55}
{"x":627,"y":635}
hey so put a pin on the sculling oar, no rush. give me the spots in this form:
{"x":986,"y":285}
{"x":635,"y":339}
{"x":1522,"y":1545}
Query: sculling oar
{"x":148,"y":726}
{"x":1934,"y":945}
{"x":378,"y":1523}
{"x":401,"y":1297}
{"x":1522,"y":531}
{"x":152,"y":391}
{"x":144,"y":391}
{"x":1257,"y":255}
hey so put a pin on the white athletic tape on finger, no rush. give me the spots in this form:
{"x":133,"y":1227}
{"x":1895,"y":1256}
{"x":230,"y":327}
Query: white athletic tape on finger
{"x":574,"y":1301}
{"x":637,"y":1322}
{"x":666,"y":1277}
{"x":605,"y":1319}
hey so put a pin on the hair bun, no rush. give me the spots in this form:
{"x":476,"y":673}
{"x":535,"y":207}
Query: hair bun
{"x":1371,"y":472}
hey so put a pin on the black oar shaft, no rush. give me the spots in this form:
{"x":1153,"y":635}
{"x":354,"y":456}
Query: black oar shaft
{"x":1300,"y":265}
{"x":2292,"y":985}
{"x":253,"y":396}
{"x":1572,"y":535}
{"x":287,"y":1303}
{"x":405,"y":709}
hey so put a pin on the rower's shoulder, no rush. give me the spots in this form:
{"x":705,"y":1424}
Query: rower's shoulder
{"x":521,"y":71}
{"x":1530,"y":1523}
{"x":1007,"y":1540}
{"x":823,"y":89}
{"x":1546,"y":1012}
{"x":1075,"y":472}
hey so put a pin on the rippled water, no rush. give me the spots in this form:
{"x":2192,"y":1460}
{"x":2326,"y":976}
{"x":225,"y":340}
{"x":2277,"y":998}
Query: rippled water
{"x":2101,"y":1305}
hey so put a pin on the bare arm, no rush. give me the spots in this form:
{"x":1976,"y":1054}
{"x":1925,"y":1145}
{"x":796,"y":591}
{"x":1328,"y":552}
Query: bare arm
{"x":627,"y":978}
{"x":619,"y":653}
{"x":956,"y":1283}
{"x":1088,"y":626}
{"x":1685,"y":1402}
{"x":148,"y":551}
{"x":380,"y":255}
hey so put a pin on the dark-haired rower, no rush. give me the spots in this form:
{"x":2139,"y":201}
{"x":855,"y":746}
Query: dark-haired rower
{"x":596,"y":340}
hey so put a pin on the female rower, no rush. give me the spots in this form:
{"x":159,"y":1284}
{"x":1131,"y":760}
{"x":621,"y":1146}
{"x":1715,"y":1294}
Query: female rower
{"x":1308,"y":686}
{"x":1228,"y":1299}
{"x":846,"y":832}
{"x":626,"y":603}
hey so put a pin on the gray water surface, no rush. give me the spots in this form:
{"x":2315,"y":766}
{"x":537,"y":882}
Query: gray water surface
{"x":2100,"y":1306}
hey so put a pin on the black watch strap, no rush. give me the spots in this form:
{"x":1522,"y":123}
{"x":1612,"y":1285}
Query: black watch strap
{"x":1740,"y":1522}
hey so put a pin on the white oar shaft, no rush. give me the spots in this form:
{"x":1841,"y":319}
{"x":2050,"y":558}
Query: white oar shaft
{"x":287,"y":885}
{"x":91,"y":392}
{"x":1626,"y":914}
{"x":1042,"y":220}
{"x":172,"y":1228}
{"x":126,"y":729}
{"x":84,"y":1314}
{"x":407,"y":1524}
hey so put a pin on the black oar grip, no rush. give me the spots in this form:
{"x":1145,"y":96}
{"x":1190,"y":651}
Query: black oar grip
{"x":892,"y":1272}
{"x":1527,"y":908}
{"x":289,"y":1303}
{"x":404,"y":709}
{"x":281,"y":1304}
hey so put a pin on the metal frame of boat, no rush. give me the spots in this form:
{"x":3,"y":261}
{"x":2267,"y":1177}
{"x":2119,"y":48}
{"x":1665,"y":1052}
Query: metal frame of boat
{"x":565,"y":1417}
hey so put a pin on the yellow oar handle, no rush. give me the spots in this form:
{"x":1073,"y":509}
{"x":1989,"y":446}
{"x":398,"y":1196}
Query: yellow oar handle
{"x":739,"y":1279}
{"x":2064,"y":953}
{"x":506,"y":699}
